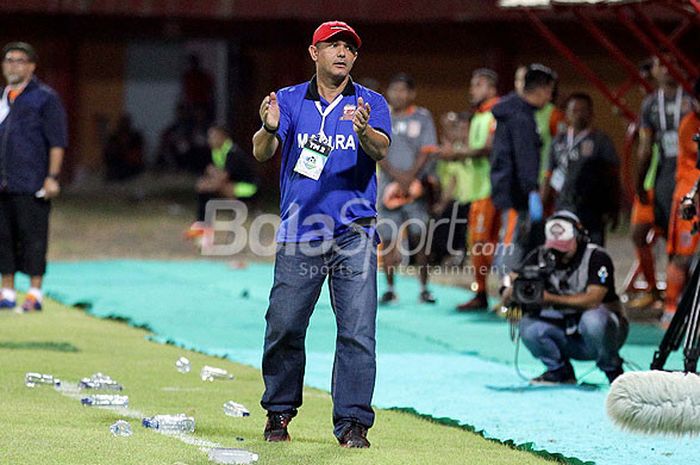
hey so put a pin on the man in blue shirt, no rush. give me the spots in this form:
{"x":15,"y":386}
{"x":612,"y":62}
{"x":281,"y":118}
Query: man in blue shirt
{"x":332,"y":132}
{"x":33,"y":135}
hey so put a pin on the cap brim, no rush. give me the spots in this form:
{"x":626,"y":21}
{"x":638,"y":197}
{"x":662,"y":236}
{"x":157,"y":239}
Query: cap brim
{"x":562,"y":246}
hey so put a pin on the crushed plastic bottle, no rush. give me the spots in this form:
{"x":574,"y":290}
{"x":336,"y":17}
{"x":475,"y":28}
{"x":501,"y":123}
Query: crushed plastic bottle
{"x":179,"y":423}
{"x":121,"y":428}
{"x":100,"y":381}
{"x":225,"y":455}
{"x":183,"y":365}
{"x":105,"y":400}
{"x":33,"y":379}
{"x":211,"y":373}
{"x":233,"y":409}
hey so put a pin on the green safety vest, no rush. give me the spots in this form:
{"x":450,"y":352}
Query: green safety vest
{"x":477,"y":182}
{"x":241,"y":189}
{"x":218,"y":156}
{"x":542,"y":118}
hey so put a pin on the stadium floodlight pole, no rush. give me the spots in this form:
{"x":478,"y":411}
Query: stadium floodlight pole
{"x":578,"y":64}
{"x":653,"y":49}
{"x":661,"y":37}
{"x":618,"y":54}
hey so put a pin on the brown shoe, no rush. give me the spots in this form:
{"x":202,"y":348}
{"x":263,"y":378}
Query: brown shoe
{"x":276,"y":427}
{"x":354,"y":436}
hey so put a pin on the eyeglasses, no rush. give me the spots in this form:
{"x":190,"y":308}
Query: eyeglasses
{"x":19,"y":61}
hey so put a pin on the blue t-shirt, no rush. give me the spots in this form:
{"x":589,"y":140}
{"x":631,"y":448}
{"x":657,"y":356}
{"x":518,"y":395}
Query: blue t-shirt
{"x":347,"y":189}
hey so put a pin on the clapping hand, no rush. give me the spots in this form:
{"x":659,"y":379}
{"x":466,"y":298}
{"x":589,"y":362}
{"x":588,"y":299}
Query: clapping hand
{"x":361,"y":119}
{"x":270,"y":112}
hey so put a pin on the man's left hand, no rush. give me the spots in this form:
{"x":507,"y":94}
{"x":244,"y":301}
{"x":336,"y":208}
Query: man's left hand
{"x":51,"y":188}
{"x":361,"y":119}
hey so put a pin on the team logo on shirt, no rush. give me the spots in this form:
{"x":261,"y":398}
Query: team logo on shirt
{"x":603,"y":274}
{"x":414,"y":128}
{"x":587,"y":148}
{"x":348,"y":112}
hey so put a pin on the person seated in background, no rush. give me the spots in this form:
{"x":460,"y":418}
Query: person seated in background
{"x":583,"y":171}
{"x":228,"y":176}
{"x":580,"y":316}
{"x":124,"y":151}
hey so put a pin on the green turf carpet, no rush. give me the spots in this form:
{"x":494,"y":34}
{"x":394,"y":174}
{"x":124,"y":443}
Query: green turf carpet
{"x":430,"y":358}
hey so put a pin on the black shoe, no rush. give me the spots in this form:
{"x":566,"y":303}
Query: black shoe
{"x":613,"y":374}
{"x":354,"y":436}
{"x":479,"y":302}
{"x":389,"y":297}
{"x":563,"y":375}
{"x":276,"y":427}
{"x":426,"y":297}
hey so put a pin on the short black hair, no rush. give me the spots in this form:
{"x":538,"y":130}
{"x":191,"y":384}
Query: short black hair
{"x":581,"y":96}
{"x":21,"y":47}
{"x":538,"y":75}
{"x":405,"y":78}
{"x":489,"y":74}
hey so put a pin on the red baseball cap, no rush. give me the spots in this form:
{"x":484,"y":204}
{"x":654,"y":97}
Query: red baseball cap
{"x":333,"y":28}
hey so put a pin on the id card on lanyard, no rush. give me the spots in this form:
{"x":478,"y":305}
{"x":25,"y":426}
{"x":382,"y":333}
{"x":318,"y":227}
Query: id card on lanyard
{"x":315,"y":152}
{"x":559,"y":174}
{"x":669,"y":137}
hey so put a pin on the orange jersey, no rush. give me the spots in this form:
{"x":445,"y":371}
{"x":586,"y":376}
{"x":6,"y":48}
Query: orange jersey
{"x":686,"y":171}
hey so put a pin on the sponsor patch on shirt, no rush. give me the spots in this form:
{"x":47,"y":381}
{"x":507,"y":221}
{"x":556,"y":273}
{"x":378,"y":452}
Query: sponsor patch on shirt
{"x":603,"y":274}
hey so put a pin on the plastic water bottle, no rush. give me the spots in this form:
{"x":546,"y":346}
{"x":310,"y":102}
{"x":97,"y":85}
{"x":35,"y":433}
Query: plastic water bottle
{"x":183,"y":365}
{"x":121,"y":428}
{"x":224,"y":455}
{"x":233,"y":409}
{"x":105,"y":400}
{"x":179,"y":423}
{"x":100,"y":381}
{"x":33,"y":379}
{"x":211,"y":373}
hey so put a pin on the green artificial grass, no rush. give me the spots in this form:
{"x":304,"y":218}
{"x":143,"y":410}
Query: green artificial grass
{"x":41,"y":425}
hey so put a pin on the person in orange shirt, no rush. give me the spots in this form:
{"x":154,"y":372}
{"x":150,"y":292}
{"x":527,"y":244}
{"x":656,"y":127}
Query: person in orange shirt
{"x":682,"y":243}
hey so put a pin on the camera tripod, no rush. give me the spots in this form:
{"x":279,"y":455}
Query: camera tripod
{"x":686,"y":321}
{"x":685,"y":324}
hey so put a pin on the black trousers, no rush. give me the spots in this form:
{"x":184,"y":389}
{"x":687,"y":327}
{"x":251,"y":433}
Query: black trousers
{"x":24,"y":233}
{"x":440,"y":247}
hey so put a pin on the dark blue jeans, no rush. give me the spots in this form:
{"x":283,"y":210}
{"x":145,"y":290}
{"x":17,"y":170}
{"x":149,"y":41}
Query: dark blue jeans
{"x":599,"y":336}
{"x":350,"y":263}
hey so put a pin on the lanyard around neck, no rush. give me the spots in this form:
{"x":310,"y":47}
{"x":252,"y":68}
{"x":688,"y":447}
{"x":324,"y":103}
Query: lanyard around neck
{"x":326,"y":112}
{"x":676,"y":110}
{"x":572,"y":141}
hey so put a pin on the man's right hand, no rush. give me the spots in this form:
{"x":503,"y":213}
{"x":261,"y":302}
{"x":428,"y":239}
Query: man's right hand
{"x":270,"y":112}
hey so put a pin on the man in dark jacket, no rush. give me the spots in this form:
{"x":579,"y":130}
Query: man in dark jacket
{"x":515,"y":164}
{"x":33,"y":137}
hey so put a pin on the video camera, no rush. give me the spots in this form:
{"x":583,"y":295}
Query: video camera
{"x":529,"y":286}
{"x":689,"y":203}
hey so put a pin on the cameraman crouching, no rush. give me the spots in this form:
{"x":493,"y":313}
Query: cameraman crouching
{"x":580,"y":316}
